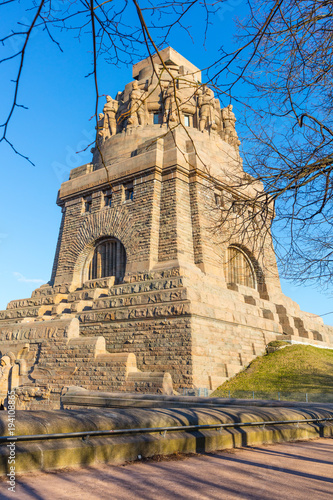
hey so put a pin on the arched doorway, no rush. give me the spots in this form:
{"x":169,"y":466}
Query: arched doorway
{"x":109,"y":259}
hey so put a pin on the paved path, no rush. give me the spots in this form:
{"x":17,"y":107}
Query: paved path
{"x":285,"y":471}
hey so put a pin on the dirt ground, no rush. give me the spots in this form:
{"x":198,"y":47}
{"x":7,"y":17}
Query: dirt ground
{"x":302,"y":470}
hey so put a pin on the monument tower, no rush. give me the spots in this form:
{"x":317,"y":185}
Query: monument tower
{"x":143,"y":289}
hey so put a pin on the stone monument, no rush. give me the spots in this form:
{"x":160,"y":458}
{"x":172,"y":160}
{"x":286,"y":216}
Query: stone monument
{"x":143,"y":293}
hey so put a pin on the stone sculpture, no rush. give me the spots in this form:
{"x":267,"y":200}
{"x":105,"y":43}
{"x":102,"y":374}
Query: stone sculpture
{"x":100,"y":129}
{"x":229,"y":126}
{"x":171,"y":103}
{"x":216,"y":121}
{"x":110,"y":122}
{"x":137,"y":106}
{"x":206,"y":108}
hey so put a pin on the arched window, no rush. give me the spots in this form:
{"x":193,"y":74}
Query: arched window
{"x":239,"y":268}
{"x":109,"y":259}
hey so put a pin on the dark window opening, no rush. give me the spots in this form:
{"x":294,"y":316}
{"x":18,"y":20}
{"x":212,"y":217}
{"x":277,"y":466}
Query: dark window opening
{"x":108,"y":199}
{"x":219,"y":200}
{"x":87,"y":205}
{"x":156,"y":118}
{"x":235,"y":208}
{"x":129,"y":193}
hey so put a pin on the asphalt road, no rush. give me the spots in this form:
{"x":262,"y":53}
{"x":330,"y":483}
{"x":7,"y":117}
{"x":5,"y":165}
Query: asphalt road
{"x":289,"y":471}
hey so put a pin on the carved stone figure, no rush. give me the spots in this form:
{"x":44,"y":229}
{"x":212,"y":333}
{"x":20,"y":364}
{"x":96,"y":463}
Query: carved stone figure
{"x":171,"y":103}
{"x":137,"y":106}
{"x":216,"y":121}
{"x":206,"y":108}
{"x":100,"y":132}
{"x":122,"y":112}
{"x":100,"y":129}
{"x":5,"y":368}
{"x":229,"y":126}
{"x":110,"y":122}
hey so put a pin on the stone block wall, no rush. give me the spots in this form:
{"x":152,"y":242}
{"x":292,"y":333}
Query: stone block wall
{"x":189,"y":325}
{"x":172,"y":219}
{"x":40,"y":359}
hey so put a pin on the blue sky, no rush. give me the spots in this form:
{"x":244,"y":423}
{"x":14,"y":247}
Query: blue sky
{"x":54,"y":131}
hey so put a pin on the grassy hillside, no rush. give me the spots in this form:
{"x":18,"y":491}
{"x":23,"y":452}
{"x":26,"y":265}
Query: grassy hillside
{"x":294,"y":368}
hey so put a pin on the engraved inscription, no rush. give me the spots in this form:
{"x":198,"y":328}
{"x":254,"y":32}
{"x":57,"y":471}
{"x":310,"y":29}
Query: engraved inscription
{"x":28,"y":333}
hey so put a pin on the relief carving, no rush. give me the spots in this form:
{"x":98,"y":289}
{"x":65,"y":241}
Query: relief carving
{"x":15,"y":362}
{"x":6,"y":364}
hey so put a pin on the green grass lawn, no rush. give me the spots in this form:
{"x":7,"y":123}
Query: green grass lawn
{"x":295,"y":368}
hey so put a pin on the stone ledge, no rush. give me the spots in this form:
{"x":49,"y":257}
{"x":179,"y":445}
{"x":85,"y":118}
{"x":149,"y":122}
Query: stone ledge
{"x":56,"y":454}
{"x":83,"y":397}
{"x":296,"y":339}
